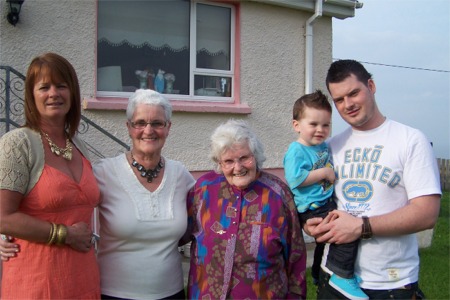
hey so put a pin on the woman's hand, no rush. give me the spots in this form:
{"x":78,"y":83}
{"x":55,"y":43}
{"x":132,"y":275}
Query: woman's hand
{"x":79,"y":237}
{"x":8,"y":249}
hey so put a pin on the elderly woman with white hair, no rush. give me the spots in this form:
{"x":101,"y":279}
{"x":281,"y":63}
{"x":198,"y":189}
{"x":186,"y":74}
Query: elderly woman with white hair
{"x":143,"y":208}
{"x":247,"y":241}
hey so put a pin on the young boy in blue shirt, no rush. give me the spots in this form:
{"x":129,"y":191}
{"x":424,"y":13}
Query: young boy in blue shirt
{"x":310,"y":175}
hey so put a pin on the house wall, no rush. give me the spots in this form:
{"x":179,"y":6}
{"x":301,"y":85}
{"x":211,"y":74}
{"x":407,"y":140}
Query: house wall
{"x":271,"y":70}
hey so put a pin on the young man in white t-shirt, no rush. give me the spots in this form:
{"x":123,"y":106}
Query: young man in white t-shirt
{"x":387,"y":189}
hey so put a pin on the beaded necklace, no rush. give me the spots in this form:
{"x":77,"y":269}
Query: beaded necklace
{"x":150,"y":173}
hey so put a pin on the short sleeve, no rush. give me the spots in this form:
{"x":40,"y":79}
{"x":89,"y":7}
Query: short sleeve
{"x":14,"y":162}
{"x":296,"y":166}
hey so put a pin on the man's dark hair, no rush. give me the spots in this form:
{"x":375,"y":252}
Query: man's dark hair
{"x":315,"y":100}
{"x":341,"y":69}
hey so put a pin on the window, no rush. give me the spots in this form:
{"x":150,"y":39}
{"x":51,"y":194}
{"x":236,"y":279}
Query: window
{"x":182,"y":48}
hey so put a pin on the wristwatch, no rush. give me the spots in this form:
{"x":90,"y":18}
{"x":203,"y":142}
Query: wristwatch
{"x":366,"y":229}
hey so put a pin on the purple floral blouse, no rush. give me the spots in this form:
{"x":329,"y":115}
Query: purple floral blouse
{"x":247,"y":244}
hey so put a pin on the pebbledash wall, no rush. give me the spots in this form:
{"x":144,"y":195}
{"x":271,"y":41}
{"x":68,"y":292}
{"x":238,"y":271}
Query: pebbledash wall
{"x":272,"y":68}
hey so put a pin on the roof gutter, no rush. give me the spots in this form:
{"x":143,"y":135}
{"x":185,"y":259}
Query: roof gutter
{"x":340,"y":9}
{"x":309,"y":43}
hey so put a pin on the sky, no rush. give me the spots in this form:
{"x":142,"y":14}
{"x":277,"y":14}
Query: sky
{"x":405,"y":33}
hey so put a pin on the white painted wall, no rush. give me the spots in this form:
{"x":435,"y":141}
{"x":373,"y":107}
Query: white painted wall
{"x":272,"y":71}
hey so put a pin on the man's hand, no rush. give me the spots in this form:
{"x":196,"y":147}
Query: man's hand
{"x":339,"y":227}
{"x":310,"y":226}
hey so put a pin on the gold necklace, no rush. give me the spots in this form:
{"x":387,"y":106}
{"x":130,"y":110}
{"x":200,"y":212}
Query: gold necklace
{"x":65,"y":152}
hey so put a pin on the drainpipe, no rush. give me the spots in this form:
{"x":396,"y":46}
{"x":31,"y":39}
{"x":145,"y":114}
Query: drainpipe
{"x":309,"y":47}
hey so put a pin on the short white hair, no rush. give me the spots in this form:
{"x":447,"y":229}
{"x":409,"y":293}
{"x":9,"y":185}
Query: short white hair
{"x":148,"y":97}
{"x":235,"y":132}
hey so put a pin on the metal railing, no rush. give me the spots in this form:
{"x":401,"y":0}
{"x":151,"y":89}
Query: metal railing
{"x":12,"y":86}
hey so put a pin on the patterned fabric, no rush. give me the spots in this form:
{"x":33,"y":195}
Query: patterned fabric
{"x":247,"y":244}
{"x":41,"y":271}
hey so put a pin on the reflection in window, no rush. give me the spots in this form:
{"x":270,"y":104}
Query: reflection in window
{"x":147,"y":44}
{"x":212,"y":86}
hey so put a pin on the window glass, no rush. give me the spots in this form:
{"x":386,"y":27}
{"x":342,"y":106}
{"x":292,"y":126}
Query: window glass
{"x":214,"y":86}
{"x":143,"y":44}
{"x":213,"y":37}
{"x":176,"y":47}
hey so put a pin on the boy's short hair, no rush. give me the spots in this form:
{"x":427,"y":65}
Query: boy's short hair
{"x":315,"y":100}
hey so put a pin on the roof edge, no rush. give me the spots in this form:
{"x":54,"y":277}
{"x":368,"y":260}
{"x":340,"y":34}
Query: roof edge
{"x":340,"y":9}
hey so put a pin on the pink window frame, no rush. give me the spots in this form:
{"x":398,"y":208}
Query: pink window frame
{"x":236,"y":107}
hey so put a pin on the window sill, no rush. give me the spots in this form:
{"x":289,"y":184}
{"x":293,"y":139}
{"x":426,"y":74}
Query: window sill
{"x":181,"y":106}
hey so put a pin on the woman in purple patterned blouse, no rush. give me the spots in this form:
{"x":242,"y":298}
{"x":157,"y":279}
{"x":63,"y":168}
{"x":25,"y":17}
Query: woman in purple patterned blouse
{"x":247,"y":241}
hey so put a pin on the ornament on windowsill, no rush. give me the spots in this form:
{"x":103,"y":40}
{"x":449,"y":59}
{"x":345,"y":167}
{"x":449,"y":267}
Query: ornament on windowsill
{"x":159,"y":81}
{"x":170,"y":79}
{"x":142,"y":76}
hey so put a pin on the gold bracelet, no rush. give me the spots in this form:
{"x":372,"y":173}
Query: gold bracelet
{"x":61,"y":235}
{"x":52,"y":236}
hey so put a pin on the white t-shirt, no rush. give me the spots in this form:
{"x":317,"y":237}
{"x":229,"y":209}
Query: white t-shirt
{"x":140,"y":230}
{"x":377,"y":172}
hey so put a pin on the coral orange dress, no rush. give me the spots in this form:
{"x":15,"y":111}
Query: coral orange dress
{"x":41,"y":271}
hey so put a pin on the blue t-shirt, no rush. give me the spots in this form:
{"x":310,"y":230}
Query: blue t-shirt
{"x":299,"y":160}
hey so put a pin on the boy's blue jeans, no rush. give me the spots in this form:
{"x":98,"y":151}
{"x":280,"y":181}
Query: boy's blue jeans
{"x":341,"y":258}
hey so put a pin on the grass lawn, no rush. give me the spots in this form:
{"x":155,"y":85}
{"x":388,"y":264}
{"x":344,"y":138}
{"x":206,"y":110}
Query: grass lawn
{"x":434,"y":277}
